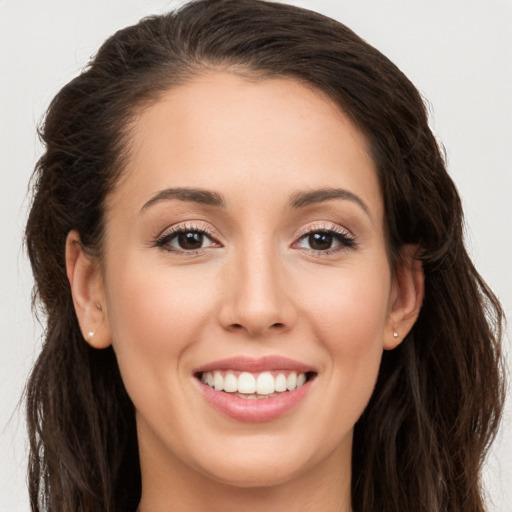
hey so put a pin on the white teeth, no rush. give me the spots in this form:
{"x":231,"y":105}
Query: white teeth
{"x":246,"y":383}
{"x":265,"y":384}
{"x":230,"y":383}
{"x":281,"y":382}
{"x":291,"y":381}
{"x":218,"y":381}
{"x":253,"y":385}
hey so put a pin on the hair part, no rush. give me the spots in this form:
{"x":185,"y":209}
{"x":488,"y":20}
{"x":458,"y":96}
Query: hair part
{"x":436,"y":406}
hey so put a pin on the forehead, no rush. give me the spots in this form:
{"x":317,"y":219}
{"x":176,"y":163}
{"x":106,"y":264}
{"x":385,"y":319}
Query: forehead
{"x":228,"y":133}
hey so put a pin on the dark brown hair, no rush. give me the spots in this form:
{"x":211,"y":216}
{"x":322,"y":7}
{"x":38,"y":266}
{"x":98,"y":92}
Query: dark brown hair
{"x":420,"y":443}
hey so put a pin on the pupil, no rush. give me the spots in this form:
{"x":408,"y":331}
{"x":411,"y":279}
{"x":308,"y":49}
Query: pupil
{"x":190,"y":240}
{"x":320,"y":241}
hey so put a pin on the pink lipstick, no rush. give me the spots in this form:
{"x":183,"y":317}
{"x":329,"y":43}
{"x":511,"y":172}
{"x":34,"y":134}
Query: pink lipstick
{"x":254,"y":389}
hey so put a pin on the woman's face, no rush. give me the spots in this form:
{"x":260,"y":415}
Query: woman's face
{"x":245,"y":246}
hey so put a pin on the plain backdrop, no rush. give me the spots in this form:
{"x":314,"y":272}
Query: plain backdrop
{"x":457,"y":52}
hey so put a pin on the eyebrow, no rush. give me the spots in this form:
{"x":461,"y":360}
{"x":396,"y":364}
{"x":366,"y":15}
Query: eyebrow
{"x":303,"y":199}
{"x":297,"y":200}
{"x":195,"y":195}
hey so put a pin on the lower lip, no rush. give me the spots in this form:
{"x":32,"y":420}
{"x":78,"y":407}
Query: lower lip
{"x":256,"y":410}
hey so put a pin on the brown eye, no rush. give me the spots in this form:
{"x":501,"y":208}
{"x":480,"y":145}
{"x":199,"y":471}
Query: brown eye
{"x":325,"y":241}
{"x":190,"y":240}
{"x":320,"y":241}
{"x":186,"y":240}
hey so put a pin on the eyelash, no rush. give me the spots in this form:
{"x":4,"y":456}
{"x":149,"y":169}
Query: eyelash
{"x":164,"y":240}
{"x":343,"y":237}
{"x":345,"y":240}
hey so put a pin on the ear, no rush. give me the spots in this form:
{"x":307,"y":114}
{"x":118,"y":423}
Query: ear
{"x":406,"y":297}
{"x":87,"y":289}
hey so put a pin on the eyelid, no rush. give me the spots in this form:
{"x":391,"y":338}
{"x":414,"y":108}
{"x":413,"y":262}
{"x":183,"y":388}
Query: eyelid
{"x":162,"y":239}
{"x":348,"y":240}
{"x":185,"y":226}
{"x":323,"y":226}
{"x":326,"y":227}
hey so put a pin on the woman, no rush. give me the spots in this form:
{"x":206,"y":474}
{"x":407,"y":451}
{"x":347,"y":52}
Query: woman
{"x":251,"y":258}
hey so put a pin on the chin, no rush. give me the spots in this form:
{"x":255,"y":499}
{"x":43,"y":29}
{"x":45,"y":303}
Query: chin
{"x":265,"y":465}
{"x":256,"y":475}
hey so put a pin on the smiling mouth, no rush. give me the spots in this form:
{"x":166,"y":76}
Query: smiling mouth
{"x":261,"y":385}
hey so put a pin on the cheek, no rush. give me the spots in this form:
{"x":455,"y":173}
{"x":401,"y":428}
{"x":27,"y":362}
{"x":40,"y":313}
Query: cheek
{"x":156,"y":317}
{"x":155,"y":314}
{"x":351,"y":312}
{"x":351,"y":321}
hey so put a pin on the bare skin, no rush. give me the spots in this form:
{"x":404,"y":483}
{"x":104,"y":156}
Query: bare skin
{"x":273,"y":269}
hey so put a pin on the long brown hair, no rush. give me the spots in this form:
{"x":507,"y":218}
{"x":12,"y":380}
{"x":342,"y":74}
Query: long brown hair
{"x":420,"y":443}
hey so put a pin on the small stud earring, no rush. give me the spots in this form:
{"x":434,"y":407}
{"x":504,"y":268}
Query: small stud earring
{"x":395,"y":334}
{"x":90,"y":335}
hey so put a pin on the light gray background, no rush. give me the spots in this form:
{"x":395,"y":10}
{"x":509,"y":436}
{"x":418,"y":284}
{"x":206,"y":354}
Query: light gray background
{"x":457,"y":52}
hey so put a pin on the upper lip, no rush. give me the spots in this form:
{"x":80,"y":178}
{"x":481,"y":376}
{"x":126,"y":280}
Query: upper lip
{"x":253,"y":365}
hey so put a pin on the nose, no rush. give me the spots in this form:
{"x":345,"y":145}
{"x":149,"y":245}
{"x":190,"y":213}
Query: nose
{"x":256,"y":298}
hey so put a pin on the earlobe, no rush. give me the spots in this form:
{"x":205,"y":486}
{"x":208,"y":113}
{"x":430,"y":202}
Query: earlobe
{"x":407,"y":297}
{"x":87,"y":290}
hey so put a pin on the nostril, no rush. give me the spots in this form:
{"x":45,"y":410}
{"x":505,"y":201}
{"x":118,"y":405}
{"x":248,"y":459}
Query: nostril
{"x":256,"y":328}
{"x":277,"y":325}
